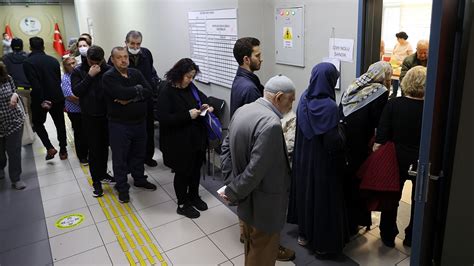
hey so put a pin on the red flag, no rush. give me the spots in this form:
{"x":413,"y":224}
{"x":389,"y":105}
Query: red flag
{"x":58,"y":41}
{"x":9,"y":31}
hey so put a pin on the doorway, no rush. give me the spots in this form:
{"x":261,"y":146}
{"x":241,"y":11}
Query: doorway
{"x":440,"y":114}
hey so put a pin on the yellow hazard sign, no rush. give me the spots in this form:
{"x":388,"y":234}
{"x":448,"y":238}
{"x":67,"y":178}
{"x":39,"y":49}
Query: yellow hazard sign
{"x":287,"y":34}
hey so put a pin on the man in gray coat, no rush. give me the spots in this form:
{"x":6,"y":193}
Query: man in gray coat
{"x":259,"y":180}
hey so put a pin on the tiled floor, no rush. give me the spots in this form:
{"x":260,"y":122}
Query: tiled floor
{"x":57,"y":188}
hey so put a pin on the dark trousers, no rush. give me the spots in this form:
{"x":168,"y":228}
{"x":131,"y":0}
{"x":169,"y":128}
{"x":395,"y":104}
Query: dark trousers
{"x":11,"y":146}
{"x":150,"y":131}
{"x":186,"y":181}
{"x":80,"y":137}
{"x":128,"y":142}
{"x":97,"y":133}
{"x":388,"y":218}
{"x":39,"y":117}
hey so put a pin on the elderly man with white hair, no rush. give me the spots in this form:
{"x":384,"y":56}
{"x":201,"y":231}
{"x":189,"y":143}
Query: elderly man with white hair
{"x":259,"y":180}
{"x":419,"y":58}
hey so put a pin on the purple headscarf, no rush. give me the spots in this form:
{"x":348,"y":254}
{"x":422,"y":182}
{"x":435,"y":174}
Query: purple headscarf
{"x":317,"y":110}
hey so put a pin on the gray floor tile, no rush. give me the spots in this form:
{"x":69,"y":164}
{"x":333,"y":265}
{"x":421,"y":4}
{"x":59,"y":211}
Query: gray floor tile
{"x":38,"y":253}
{"x":21,"y":211}
{"x":22,"y":235}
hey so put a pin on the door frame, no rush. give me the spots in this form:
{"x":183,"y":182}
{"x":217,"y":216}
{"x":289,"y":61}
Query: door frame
{"x":439,"y":96}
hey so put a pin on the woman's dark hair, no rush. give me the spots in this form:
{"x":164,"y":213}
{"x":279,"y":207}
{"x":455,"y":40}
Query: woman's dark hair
{"x":183,"y":66}
{"x":3,"y":73}
{"x":88,"y":41}
{"x":402,"y":35}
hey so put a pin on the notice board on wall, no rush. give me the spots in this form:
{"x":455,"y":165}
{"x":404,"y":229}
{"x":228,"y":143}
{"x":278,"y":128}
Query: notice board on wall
{"x":289,"y":35}
{"x":212,"y":35}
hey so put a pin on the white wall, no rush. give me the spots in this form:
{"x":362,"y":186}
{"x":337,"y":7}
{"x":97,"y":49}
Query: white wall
{"x":320,"y":17}
{"x":165,"y":31}
{"x":71,"y":28}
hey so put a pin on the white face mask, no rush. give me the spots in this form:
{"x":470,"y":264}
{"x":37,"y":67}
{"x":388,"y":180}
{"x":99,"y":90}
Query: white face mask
{"x":133,"y":51}
{"x":83,"y":50}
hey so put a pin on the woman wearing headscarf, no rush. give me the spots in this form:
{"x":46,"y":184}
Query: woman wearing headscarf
{"x":360,"y":108}
{"x":316,"y":196}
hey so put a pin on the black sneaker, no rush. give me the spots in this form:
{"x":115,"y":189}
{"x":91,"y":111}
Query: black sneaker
{"x":407,"y":242}
{"x":124,"y":197}
{"x":188,"y":211}
{"x":151,"y":162}
{"x":388,"y":242}
{"x":146,"y":185}
{"x":108,"y":179}
{"x":199,"y":204}
{"x":84,"y":161}
{"x":98,"y":192}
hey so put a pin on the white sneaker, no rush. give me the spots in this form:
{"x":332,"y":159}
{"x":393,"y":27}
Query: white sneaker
{"x":19,"y":185}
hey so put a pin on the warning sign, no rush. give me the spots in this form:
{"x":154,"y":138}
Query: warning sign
{"x":69,"y":221}
{"x":287,"y":37}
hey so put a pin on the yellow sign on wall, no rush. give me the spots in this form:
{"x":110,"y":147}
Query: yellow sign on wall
{"x":287,"y":37}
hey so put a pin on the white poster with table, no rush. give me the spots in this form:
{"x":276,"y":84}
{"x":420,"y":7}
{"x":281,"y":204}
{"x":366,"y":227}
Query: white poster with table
{"x":212,"y":35}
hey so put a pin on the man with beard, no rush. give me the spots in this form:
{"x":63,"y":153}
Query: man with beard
{"x":246,"y":87}
{"x":260,"y":172}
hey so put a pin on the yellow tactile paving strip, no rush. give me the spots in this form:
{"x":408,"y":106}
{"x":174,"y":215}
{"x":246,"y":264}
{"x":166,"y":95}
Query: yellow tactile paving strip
{"x":135,"y":242}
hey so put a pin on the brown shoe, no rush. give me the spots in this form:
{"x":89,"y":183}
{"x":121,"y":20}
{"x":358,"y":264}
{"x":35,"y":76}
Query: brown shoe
{"x":63,"y":155}
{"x":285,"y":254}
{"x":50,"y":153}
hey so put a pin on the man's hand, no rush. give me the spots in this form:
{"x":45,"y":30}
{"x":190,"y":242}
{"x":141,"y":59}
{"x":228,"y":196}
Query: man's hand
{"x":225,"y":198}
{"x":376,"y":146}
{"x":221,"y":193}
{"x":14,"y":100}
{"x":94,"y":70}
{"x":122,"y":102}
{"x":46,"y":105}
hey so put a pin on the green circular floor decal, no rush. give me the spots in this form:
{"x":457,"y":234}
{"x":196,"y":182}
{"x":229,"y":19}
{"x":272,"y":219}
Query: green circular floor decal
{"x":70,"y":220}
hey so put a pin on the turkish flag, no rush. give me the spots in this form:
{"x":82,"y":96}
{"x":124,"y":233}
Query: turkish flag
{"x":58,"y":41}
{"x":9,"y":31}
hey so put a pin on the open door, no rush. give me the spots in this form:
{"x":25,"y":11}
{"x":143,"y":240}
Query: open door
{"x":439,"y":129}
{"x":443,"y":95}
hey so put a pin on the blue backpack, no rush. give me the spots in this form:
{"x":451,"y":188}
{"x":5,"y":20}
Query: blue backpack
{"x":213,"y":125}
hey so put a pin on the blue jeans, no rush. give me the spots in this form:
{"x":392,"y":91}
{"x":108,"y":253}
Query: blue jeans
{"x":128,"y":144}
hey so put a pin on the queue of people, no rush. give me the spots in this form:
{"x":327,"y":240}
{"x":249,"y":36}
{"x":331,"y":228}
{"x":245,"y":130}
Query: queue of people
{"x":303,"y":172}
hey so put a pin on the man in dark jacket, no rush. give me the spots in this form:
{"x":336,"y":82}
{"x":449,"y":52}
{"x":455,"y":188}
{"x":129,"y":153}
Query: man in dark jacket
{"x":86,"y":82}
{"x":14,"y":62}
{"x":246,"y":87}
{"x":126,"y":91}
{"x":43,"y":72}
{"x":419,"y":58}
{"x":142,"y":59}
